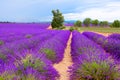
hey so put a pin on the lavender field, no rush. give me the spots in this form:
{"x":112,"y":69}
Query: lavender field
{"x":23,"y":26}
{"x":29,"y":52}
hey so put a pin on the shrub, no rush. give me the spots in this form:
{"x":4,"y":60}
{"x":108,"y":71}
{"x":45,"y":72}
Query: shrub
{"x":78,"y":23}
{"x":87,"y":22}
{"x":116,"y":23}
{"x":71,"y":29}
{"x":95,"y":22}
{"x":103,"y":23}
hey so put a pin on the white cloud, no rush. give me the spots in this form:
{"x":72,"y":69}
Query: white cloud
{"x":37,"y":10}
{"x":109,"y":12}
{"x":114,"y":4}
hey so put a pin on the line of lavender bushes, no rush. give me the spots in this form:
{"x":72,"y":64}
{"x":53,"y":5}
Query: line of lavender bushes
{"x":91,"y":62}
{"x":32,"y":57}
{"x":110,"y":45}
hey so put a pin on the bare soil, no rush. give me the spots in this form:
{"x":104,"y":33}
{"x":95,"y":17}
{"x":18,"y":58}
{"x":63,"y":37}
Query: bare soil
{"x":49,"y":27}
{"x":104,"y":34}
{"x":62,"y":67}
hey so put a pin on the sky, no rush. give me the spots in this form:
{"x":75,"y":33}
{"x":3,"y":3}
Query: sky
{"x":40,"y":10}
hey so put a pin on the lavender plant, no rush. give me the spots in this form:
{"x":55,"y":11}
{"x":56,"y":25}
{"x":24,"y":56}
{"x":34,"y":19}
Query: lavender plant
{"x":29,"y":66}
{"x":110,"y":45}
{"x":55,"y":52}
{"x":114,"y":36}
{"x":90,"y":61}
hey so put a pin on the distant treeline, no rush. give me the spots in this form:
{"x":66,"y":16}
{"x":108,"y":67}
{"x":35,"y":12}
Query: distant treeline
{"x":89,"y":22}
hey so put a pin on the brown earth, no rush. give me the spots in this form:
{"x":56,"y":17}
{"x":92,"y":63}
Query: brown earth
{"x":62,"y":67}
{"x":49,"y":27}
{"x":105,"y":34}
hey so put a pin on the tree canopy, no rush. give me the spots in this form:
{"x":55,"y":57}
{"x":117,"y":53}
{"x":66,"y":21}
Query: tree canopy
{"x":58,"y":19}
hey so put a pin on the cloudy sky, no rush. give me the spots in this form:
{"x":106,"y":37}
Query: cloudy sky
{"x":40,"y":10}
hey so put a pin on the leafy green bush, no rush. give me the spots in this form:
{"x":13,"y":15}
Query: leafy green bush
{"x":87,"y":22}
{"x":71,"y":29}
{"x":95,"y":22}
{"x":116,"y":24}
{"x":103,"y":23}
{"x":78,"y":23}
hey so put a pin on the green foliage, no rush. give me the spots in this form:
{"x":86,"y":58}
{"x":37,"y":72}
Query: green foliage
{"x":34,"y":63}
{"x":71,"y":29}
{"x":95,"y":71}
{"x":2,"y":56}
{"x":116,"y":24}
{"x":104,"y":23}
{"x":1,"y":42}
{"x":28,"y":36}
{"x":58,"y":19}
{"x":87,"y":22}
{"x":7,"y":76}
{"x":1,"y":78}
{"x":95,"y":22}
{"x":78,"y":23}
{"x":62,"y":27}
{"x":50,"y":53}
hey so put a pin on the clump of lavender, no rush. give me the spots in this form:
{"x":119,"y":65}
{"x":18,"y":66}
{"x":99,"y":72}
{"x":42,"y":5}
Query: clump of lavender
{"x":53,"y":51}
{"x":1,"y":42}
{"x":94,"y":71}
{"x":99,"y":39}
{"x":90,"y":61}
{"x":114,"y":36}
{"x":110,"y":44}
{"x":28,"y":36}
{"x":30,"y":66}
{"x":50,"y":54}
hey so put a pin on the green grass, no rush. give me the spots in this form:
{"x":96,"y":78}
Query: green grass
{"x":99,"y":29}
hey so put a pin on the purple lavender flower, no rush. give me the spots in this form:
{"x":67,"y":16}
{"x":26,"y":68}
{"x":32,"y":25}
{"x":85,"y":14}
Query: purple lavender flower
{"x":90,"y":61}
{"x":114,"y":36}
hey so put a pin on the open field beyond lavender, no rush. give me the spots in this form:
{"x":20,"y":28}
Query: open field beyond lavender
{"x":32,"y":53}
{"x":97,"y":29}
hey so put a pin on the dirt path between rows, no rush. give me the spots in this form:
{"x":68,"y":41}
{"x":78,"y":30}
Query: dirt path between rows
{"x":62,"y":67}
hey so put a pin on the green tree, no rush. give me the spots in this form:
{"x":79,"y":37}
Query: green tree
{"x":116,"y":23}
{"x":87,"y":22}
{"x":95,"y":22}
{"x":58,"y":19}
{"x":78,"y":23}
{"x":104,"y":23}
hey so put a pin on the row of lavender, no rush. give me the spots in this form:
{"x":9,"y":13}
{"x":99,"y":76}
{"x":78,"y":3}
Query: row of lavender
{"x":31,"y":58}
{"x":91,"y":62}
{"x":19,"y":26}
{"x":110,"y":44}
{"x":13,"y":36}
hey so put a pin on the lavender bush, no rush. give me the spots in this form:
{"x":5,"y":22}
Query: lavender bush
{"x":114,"y":36}
{"x":110,"y":45}
{"x":90,"y":61}
{"x":53,"y":51}
{"x":29,"y":66}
